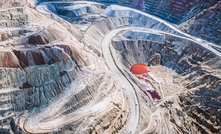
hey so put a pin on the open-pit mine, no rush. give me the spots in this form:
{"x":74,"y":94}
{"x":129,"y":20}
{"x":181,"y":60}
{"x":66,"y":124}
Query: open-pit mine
{"x":108,"y":66}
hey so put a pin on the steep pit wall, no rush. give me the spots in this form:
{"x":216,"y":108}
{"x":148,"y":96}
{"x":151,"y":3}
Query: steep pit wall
{"x":33,"y":39}
{"x":96,"y":32}
{"x":175,"y":11}
{"x":206,"y":24}
{"x":34,"y":87}
{"x":35,"y":68}
{"x":138,"y":19}
{"x":50,"y":11}
{"x":80,"y":14}
{"x":75,"y":9}
{"x":14,"y":17}
{"x":8,"y":34}
{"x":199,"y":69}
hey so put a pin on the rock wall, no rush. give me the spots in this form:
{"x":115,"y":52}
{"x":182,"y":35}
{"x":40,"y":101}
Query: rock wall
{"x":51,"y":13}
{"x":38,"y":69}
{"x":14,"y":17}
{"x":96,"y":32}
{"x":206,"y":24}
{"x":175,"y":11}
{"x":33,"y":87}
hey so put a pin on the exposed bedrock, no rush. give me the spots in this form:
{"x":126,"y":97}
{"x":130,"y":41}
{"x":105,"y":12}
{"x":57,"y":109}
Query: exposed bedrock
{"x":13,"y":3}
{"x":138,"y":19}
{"x":50,"y":11}
{"x":175,"y":11}
{"x":81,"y":14}
{"x":44,"y":55}
{"x":133,"y":34}
{"x":33,"y":77}
{"x":14,"y":17}
{"x":33,"y":87}
{"x":172,"y":10}
{"x":47,"y":68}
{"x":199,"y":70}
{"x":75,"y":9}
{"x":8,"y":34}
{"x":33,"y":39}
{"x":96,"y":32}
{"x":206,"y":25}
{"x":50,"y":82}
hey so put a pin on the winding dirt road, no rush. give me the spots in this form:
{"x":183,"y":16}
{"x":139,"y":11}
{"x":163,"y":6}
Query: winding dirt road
{"x":131,"y":94}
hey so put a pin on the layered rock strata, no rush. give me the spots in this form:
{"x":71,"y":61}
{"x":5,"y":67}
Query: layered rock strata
{"x":175,"y":11}
{"x":206,"y":24}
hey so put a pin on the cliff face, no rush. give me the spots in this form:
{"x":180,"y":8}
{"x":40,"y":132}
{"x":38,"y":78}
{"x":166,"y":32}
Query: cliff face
{"x":175,"y":11}
{"x":206,"y":24}
{"x":41,"y":56}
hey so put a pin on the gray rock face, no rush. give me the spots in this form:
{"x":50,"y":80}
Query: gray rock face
{"x":38,"y":87}
{"x":206,"y":24}
{"x":175,"y":11}
{"x":14,"y":17}
{"x":140,"y":35}
{"x":33,"y":87}
{"x":42,"y":64}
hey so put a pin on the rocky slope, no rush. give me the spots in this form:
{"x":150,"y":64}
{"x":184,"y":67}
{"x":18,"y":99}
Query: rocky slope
{"x":206,"y":24}
{"x":176,"y":11}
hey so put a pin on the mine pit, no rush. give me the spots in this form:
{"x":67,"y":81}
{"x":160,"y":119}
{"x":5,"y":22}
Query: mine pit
{"x":65,"y":67}
{"x":174,"y":70}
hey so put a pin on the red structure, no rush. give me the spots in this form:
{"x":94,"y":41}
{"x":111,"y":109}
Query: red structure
{"x":139,"y":69}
